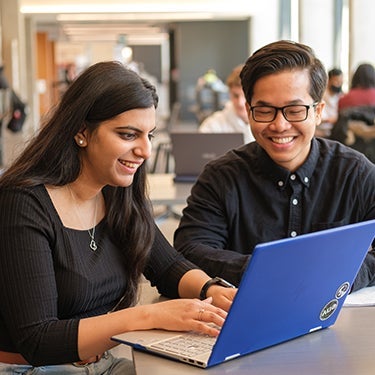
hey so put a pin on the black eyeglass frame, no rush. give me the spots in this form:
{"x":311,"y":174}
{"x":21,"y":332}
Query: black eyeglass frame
{"x":282,"y":109}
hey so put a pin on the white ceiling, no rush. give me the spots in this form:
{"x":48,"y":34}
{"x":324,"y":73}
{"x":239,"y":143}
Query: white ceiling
{"x":88,"y":20}
{"x":138,"y":6}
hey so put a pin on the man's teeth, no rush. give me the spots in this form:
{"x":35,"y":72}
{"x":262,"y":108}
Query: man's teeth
{"x":282,"y":140}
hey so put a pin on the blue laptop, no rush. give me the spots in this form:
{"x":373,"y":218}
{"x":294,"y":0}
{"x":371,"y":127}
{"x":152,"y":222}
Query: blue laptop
{"x":291,"y":287}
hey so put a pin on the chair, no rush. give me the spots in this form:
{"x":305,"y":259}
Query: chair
{"x":162,"y":161}
{"x":342,"y":133}
{"x":162,"y":156}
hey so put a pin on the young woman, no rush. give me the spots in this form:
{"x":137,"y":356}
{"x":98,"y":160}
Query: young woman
{"x":77,"y":233}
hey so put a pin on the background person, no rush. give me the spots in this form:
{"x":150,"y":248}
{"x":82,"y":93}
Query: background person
{"x":233,"y":117}
{"x":285,"y":184}
{"x":357,"y":112}
{"x":331,"y":98}
{"x":362,"y":88}
{"x":209,"y":93}
{"x":77,"y":233}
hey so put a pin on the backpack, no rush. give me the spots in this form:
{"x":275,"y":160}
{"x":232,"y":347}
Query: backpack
{"x":18,"y":113}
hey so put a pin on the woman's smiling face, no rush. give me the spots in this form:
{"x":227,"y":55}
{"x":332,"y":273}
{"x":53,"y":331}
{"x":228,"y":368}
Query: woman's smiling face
{"x":118,"y":147}
{"x":287,"y":143}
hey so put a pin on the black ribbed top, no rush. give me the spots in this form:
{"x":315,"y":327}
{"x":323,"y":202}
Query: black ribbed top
{"x":50,"y":278}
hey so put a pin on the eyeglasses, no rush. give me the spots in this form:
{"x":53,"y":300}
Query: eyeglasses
{"x":291,"y":113}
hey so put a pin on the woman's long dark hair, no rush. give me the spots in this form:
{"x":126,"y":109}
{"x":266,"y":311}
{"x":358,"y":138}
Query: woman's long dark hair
{"x":364,"y":77}
{"x":100,"y":93}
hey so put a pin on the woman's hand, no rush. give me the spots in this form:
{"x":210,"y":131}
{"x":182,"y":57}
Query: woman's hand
{"x":187,"y":315}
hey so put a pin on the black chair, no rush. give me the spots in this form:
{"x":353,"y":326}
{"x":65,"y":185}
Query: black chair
{"x":341,"y":132}
{"x":162,"y":157}
{"x":162,"y":161}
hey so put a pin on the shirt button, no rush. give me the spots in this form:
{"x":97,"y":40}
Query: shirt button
{"x":292,"y":177}
{"x":306,"y":179}
{"x":295,"y":202}
{"x":280,"y":183}
{"x":293,"y":233}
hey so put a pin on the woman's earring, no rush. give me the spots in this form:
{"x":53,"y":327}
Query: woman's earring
{"x":80,"y":141}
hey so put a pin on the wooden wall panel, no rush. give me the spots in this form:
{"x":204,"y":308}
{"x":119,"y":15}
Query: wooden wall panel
{"x":46,"y":73}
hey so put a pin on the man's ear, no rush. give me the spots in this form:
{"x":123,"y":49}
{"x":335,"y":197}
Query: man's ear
{"x":319,"y":111}
{"x":248,"y":110}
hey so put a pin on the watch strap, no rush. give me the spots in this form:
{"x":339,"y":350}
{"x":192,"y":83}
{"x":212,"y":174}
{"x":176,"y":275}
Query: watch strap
{"x":214,"y":281}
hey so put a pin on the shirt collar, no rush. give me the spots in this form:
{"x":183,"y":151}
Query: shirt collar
{"x":282,"y":176}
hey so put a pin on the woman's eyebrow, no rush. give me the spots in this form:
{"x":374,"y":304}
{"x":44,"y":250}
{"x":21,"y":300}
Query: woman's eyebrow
{"x":134,"y":128}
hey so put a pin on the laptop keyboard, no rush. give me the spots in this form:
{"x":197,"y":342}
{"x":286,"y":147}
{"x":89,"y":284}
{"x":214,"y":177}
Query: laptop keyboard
{"x":187,"y":345}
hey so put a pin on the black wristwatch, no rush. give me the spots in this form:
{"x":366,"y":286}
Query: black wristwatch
{"x":214,"y":281}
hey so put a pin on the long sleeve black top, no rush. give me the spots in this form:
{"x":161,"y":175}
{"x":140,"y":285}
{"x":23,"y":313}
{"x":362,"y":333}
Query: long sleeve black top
{"x":50,"y":278}
{"x":243,"y":198}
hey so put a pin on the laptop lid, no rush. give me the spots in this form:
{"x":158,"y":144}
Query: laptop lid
{"x":290,"y":288}
{"x":191,"y":151}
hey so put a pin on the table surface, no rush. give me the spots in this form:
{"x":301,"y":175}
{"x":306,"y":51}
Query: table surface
{"x":164,"y":191}
{"x":345,"y":348}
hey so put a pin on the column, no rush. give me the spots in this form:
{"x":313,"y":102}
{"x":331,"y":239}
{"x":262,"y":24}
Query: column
{"x":15,"y":63}
{"x":362,"y":36}
{"x":317,"y":28}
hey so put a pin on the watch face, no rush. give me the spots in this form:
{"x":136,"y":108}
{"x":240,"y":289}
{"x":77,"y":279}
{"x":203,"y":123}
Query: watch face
{"x":223,"y":282}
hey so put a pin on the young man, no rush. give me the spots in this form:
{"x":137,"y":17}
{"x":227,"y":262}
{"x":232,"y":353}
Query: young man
{"x":233,"y":117}
{"x":331,"y":98}
{"x":286,"y":183}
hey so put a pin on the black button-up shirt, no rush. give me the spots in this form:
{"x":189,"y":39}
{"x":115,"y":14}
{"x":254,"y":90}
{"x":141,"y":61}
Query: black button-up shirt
{"x":244,"y":198}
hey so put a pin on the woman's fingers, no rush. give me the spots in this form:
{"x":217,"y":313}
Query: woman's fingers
{"x":188,"y":315}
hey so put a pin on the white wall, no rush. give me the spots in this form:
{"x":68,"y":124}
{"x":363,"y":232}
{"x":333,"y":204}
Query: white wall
{"x":264,"y":23}
{"x":362,"y":32}
{"x":316,"y":28}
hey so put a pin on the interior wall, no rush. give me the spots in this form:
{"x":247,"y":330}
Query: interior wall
{"x":220,"y":45}
{"x":150,"y":57}
{"x":362,"y":39}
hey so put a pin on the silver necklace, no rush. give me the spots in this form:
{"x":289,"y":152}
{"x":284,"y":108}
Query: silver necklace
{"x":93,"y":245}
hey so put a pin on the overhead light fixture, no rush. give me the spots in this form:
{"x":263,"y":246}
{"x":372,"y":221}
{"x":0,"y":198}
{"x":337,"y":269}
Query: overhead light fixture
{"x":139,"y":16}
{"x":118,"y":28}
{"x":133,"y":39}
{"x":127,"y":53}
{"x":154,"y":9}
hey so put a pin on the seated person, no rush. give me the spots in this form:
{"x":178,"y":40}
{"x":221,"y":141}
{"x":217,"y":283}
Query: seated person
{"x":233,"y":117}
{"x":357,"y":105}
{"x":77,"y":233}
{"x":362,"y":88}
{"x":331,"y":98}
{"x":355,"y":128}
{"x":285,"y":184}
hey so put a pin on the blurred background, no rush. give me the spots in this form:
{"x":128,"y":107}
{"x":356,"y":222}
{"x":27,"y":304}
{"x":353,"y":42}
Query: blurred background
{"x":46,"y":43}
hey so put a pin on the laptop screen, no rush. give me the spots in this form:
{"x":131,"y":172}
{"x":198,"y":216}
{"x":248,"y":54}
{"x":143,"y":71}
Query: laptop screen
{"x":191,"y":151}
